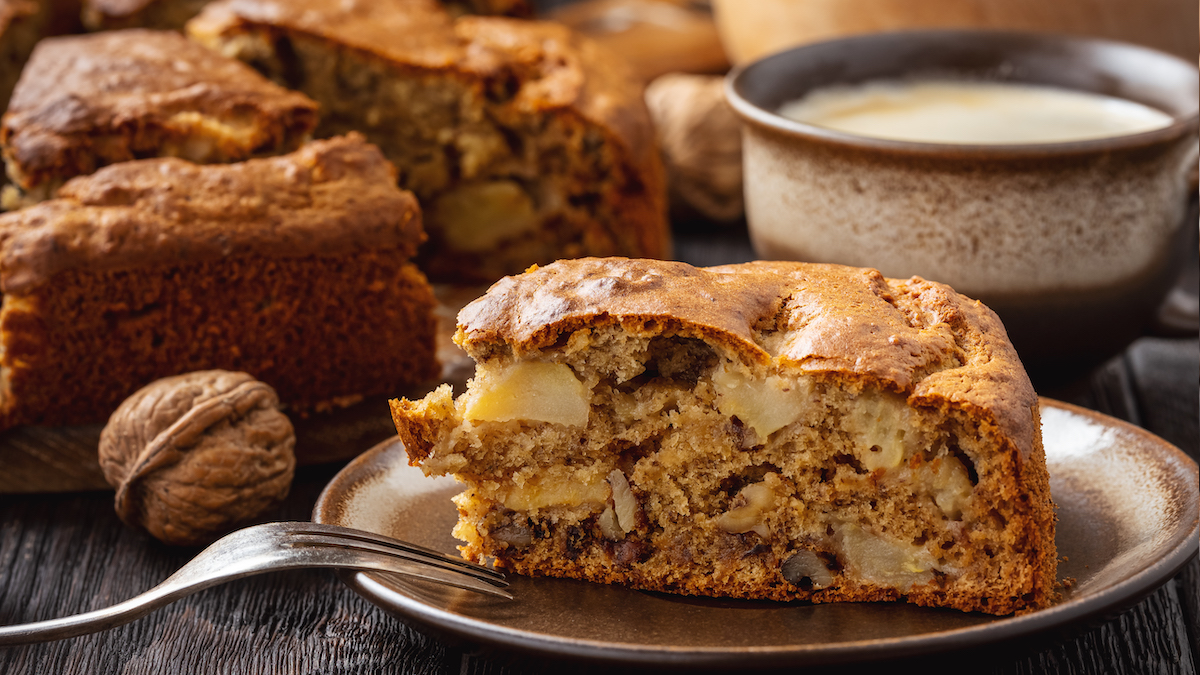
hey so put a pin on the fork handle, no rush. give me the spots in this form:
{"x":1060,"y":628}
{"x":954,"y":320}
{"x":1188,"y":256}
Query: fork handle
{"x":241,"y":554}
{"x":93,"y":621}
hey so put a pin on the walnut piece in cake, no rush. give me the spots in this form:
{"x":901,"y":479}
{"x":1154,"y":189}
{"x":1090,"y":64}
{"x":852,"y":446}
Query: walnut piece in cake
{"x":523,"y":141}
{"x":781,"y":431}
{"x":87,"y":101}
{"x":295,"y":269}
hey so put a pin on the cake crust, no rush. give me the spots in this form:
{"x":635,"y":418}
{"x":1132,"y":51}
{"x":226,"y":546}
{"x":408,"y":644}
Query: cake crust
{"x":91,"y":100}
{"x":168,"y":211}
{"x":912,"y":336}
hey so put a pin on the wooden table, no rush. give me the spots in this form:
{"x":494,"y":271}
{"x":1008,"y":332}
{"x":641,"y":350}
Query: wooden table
{"x":66,"y":553}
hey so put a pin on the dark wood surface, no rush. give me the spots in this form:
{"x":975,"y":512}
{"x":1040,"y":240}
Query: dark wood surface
{"x":66,"y":553}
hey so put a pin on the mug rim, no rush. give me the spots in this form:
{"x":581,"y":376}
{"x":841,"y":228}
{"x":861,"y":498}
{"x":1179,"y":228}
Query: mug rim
{"x":1001,"y":42}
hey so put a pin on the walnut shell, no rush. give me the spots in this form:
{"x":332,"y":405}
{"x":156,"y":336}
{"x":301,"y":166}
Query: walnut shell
{"x":701,"y":141}
{"x":196,"y":455}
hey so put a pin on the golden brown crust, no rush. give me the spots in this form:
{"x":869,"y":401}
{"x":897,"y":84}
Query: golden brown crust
{"x":418,"y":423}
{"x":331,"y":197}
{"x":87,"y":101}
{"x":915,"y":337}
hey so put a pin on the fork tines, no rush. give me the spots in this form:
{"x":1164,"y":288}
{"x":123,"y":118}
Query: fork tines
{"x":317,"y":534}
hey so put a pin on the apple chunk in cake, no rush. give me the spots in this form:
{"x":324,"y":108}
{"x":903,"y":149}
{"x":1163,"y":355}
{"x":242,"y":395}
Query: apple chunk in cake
{"x":781,"y":431}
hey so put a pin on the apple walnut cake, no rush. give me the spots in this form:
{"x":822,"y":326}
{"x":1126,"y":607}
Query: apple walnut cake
{"x":523,"y":141}
{"x":780,"y":431}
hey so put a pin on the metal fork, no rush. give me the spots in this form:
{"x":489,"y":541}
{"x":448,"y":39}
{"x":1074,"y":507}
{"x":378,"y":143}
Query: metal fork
{"x":267,"y":548}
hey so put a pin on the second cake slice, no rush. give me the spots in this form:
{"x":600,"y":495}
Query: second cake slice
{"x":295,"y":269}
{"x":523,"y":141}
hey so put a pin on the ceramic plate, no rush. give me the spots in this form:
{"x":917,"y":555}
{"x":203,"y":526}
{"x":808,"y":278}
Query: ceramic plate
{"x":1127,"y":503}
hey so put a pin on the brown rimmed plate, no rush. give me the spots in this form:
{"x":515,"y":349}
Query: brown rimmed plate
{"x":1128,"y":510}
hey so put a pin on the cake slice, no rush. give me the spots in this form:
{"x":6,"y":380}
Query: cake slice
{"x":523,"y":141}
{"x":87,"y":101}
{"x":295,"y":269}
{"x":781,"y":431}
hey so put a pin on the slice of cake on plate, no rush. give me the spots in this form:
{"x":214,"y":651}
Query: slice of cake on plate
{"x":523,"y":141}
{"x":86,"y":101}
{"x":770,"y":430}
{"x":295,"y":269}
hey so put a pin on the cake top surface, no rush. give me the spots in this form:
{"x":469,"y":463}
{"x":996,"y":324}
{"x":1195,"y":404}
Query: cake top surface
{"x":542,"y":65}
{"x":79,"y":83}
{"x":328,"y":198}
{"x":913,"y":336}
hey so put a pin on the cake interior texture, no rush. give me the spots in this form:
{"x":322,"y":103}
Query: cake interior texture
{"x":629,"y":445}
{"x":487,"y":119}
{"x":75,"y":349}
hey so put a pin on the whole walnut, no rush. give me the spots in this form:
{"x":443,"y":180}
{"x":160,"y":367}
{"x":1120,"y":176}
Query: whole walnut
{"x":196,"y":455}
{"x":701,"y":142}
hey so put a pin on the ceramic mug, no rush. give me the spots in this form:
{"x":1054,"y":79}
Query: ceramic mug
{"x":1074,"y":244}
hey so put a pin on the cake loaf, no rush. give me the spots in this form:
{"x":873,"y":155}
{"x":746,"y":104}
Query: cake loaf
{"x":294,"y":269}
{"x":87,"y":101}
{"x":523,"y":141}
{"x":780,"y":431}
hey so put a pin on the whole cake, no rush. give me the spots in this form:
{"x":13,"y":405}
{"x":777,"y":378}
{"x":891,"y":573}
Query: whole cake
{"x":87,"y":101}
{"x":295,"y":269}
{"x":781,"y":431}
{"x":523,"y":141}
